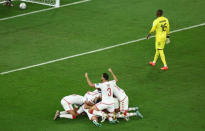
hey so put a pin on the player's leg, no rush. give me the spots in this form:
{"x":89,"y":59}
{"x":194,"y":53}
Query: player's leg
{"x":133,"y":108}
{"x":96,"y":109}
{"x":68,"y":113}
{"x":137,"y":113}
{"x":161,"y":52}
{"x":160,"y":47}
{"x":92,"y":117}
{"x":152,"y":63}
{"x":124,"y":108}
{"x":130,"y":114}
{"x":111,"y":109}
{"x":80,"y":110}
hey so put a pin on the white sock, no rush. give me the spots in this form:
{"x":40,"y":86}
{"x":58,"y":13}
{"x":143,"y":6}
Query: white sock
{"x":63,"y":112}
{"x":131,"y":114}
{"x":95,"y":121}
{"x":97,"y":113}
{"x":110,"y":119}
{"x":80,"y":110}
{"x":120,"y":116}
{"x":132,"y":109}
{"x":69,"y":116}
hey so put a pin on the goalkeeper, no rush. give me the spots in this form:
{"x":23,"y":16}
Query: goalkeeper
{"x":161,"y":27}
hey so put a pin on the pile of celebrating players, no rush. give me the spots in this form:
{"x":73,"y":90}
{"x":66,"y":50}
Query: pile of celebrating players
{"x":108,"y":102}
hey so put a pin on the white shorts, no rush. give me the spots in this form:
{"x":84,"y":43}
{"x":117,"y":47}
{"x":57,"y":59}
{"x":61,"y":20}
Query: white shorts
{"x":66,"y":105}
{"x":101,"y":106}
{"x":124,"y":104}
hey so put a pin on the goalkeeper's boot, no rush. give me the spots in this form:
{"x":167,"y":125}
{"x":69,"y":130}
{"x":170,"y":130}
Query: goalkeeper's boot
{"x":96,"y":123}
{"x":57,"y":115}
{"x":139,"y":114}
{"x":152,"y":63}
{"x":164,"y":68}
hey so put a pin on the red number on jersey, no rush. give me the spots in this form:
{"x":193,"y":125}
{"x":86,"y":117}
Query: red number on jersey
{"x":109,"y":91}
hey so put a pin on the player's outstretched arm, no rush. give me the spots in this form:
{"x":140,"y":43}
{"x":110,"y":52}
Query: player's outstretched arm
{"x":113,"y":75}
{"x":88,"y":80}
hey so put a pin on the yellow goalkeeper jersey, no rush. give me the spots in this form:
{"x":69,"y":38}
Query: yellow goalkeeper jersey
{"x":161,"y":27}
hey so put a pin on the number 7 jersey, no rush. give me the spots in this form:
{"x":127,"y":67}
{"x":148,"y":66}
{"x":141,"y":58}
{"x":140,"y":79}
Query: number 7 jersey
{"x":107,"y":91}
{"x":161,"y":26}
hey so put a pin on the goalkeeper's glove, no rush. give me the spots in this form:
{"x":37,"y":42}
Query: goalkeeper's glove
{"x":168,"y":40}
{"x":148,"y":36}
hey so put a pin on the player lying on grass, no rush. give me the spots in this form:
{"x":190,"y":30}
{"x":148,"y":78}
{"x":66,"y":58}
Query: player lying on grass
{"x":91,"y":96}
{"x":161,"y":27}
{"x":107,"y":102}
{"x":67,"y":102}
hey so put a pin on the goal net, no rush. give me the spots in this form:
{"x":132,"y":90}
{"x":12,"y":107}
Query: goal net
{"x":54,"y":3}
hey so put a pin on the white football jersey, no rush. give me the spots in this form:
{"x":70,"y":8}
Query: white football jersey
{"x":90,"y":96}
{"x":107,"y":91}
{"x":119,"y":93}
{"x":74,"y":99}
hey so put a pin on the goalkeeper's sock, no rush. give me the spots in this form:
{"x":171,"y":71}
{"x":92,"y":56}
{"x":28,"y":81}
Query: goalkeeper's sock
{"x":156,"y":56}
{"x":161,"y":52}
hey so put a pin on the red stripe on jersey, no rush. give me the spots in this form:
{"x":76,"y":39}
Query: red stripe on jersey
{"x":66,"y":101}
{"x":74,"y":116}
{"x":123,"y":99}
{"x":69,"y":104}
{"x":90,"y":93}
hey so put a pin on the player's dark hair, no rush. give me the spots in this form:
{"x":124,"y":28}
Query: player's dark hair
{"x":106,"y":76}
{"x":98,"y":100}
{"x":160,"y":12}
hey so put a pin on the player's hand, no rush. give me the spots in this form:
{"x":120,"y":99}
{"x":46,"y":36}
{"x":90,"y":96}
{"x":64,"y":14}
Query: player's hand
{"x":148,"y":36}
{"x":86,"y":74}
{"x":167,"y":41}
{"x":110,"y":70}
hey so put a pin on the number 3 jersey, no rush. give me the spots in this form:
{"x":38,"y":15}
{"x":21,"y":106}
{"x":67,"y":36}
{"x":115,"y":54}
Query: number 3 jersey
{"x":161,"y":26}
{"x":107,"y":91}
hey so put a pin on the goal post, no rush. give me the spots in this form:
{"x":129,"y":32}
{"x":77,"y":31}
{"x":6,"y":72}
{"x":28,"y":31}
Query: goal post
{"x":53,"y":3}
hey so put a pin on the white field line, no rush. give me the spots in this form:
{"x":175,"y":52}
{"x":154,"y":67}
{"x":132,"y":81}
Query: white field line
{"x":93,"y":51}
{"x":38,"y":11}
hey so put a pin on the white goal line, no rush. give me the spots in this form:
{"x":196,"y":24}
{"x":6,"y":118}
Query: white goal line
{"x":93,"y":51}
{"x":47,"y":9}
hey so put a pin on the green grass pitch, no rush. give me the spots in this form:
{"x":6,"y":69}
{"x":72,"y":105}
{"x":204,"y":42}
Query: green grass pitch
{"x":170,"y":101}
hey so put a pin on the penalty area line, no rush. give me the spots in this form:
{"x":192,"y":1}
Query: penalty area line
{"x":94,"y":51}
{"x":47,"y":9}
